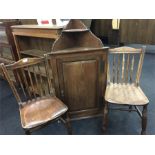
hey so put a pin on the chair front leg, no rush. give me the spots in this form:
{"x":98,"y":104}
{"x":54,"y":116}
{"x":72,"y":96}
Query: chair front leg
{"x":105,"y":117}
{"x":68,"y":124}
{"x":144,"y":120}
{"x":27,"y":132}
{"x":130,"y":108}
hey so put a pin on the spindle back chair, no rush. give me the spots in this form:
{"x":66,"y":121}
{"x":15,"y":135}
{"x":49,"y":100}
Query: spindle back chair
{"x":34,"y":93}
{"x":123,"y":77}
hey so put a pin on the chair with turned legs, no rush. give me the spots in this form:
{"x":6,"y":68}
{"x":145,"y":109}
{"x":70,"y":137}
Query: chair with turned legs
{"x":123,"y":76}
{"x":35,"y":95}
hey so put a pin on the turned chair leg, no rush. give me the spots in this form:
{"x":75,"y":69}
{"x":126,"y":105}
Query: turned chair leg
{"x":144,"y":120}
{"x":68,"y":124}
{"x":27,"y":132}
{"x":130,"y":108}
{"x":105,"y":117}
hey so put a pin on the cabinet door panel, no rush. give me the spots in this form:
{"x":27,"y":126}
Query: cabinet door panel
{"x":79,"y":84}
{"x":80,"y":80}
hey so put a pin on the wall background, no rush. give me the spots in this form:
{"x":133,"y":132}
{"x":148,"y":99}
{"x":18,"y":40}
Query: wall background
{"x":139,"y":31}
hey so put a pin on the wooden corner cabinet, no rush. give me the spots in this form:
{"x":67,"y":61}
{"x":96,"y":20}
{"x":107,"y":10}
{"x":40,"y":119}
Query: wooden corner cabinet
{"x":34,"y":40}
{"x":79,"y":62}
{"x":7,"y":44}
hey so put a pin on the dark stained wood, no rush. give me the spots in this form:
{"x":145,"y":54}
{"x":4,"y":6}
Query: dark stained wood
{"x":80,"y":79}
{"x":137,"y":31}
{"x":73,"y":76}
{"x":101,"y":27}
{"x":79,"y":63}
{"x":140,"y":31}
{"x":75,"y":35}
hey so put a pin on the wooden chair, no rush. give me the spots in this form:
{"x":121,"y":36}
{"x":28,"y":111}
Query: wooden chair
{"x":123,"y":75}
{"x":35,"y":95}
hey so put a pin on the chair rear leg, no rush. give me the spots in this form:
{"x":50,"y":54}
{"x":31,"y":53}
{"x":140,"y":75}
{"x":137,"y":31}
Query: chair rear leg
{"x":68,"y":124}
{"x":105,"y":117}
{"x":69,"y":128}
{"x":130,"y":108}
{"x":144,"y":120}
{"x":27,"y":132}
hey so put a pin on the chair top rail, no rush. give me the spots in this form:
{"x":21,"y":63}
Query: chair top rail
{"x":125,"y":50}
{"x":24,"y":63}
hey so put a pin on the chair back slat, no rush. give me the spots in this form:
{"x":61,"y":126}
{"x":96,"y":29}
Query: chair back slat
{"x":132,"y":68}
{"x":114,"y":63}
{"x":41,"y":81}
{"x":26,"y":83}
{"x":33,"y":79}
{"x":108,"y":73}
{"x":123,"y":65}
{"x":21,"y":83}
{"x":118,"y":69}
{"x":48,"y":75}
{"x":140,"y":66}
{"x":38,"y":91}
{"x":127,"y":68}
{"x":31,"y":82}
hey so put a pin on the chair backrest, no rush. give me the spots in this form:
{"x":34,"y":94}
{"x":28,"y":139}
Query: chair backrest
{"x":34,"y":78}
{"x":125,"y":65}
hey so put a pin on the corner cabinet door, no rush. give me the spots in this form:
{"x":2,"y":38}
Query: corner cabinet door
{"x":81,"y":81}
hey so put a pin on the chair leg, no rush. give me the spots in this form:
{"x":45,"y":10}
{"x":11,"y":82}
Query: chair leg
{"x":130,"y":108}
{"x":105,"y":117}
{"x":144,"y":120}
{"x":27,"y":132}
{"x":69,"y":128}
{"x":68,"y":124}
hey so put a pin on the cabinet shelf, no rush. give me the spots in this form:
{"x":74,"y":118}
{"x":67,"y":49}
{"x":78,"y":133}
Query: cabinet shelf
{"x":76,"y":30}
{"x":33,"y":53}
{"x":78,"y":49}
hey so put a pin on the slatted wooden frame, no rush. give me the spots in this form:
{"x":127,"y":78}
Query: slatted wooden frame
{"x":122,"y":71}
{"x":31,"y":86}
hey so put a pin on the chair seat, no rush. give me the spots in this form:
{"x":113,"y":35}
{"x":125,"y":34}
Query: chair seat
{"x":40,"y":111}
{"x":125,"y":94}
